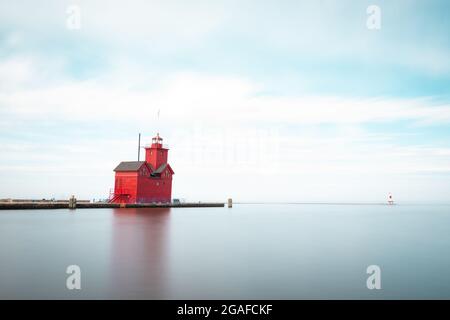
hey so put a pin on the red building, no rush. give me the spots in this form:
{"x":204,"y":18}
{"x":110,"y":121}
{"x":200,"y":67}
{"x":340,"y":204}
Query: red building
{"x":144,"y":181}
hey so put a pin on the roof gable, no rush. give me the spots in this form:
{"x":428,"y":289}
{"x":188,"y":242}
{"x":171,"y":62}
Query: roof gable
{"x":133,"y":166}
{"x":170,"y":168}
{"x":163,"y":167}
{"x":129,"y":166}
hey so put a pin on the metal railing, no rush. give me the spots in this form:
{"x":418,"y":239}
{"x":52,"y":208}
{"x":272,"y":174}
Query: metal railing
{"x":149,"y":145}
{"x":118,"y":192}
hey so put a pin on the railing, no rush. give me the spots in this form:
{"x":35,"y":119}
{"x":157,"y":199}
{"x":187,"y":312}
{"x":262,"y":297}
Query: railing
{"x":115,"y":194}
{"x":149,"y":145}
{"x":118,"y":194}
{"x":121,"y":191}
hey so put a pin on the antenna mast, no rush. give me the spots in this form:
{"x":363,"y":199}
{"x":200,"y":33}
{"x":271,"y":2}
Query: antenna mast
{"x":139,"y":147}
{"x":157,"y":121}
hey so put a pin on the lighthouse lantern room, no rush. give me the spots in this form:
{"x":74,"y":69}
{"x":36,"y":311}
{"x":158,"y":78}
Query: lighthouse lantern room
{"x":144,"y":181}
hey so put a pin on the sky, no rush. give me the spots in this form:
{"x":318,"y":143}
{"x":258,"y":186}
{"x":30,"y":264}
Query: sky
{"x":258,"y":100}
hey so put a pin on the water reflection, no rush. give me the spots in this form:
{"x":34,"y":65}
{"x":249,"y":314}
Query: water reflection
{"x":250,"y":252}
{"x":140,"y":239}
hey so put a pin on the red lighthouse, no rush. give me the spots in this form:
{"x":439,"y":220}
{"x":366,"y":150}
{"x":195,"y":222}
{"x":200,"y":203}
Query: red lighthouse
{"x":145,"y":181}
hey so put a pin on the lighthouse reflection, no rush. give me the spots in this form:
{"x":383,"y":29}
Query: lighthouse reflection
{"x":139,"y":253}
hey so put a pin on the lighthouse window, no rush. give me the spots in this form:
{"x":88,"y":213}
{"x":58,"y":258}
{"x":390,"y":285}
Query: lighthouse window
{"x":157,"y":183}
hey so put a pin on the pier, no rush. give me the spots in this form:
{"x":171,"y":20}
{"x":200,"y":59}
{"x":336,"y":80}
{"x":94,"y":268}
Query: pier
{"x":80,"y":204}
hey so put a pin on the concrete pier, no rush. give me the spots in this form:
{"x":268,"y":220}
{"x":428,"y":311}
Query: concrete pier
{"x":99,"y":205}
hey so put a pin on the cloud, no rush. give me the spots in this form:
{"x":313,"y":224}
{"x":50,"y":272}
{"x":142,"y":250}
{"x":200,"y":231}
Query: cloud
{"x":15,"y":72}
{"x":155,"y":25}
{"x":222,"y":125}
{"x":214,"y":123}
{"x":307,"y":30}
{"x":189,"y":96}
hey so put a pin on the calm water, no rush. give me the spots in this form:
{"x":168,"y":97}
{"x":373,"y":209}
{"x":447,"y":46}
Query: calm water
{"x":248,"y":252}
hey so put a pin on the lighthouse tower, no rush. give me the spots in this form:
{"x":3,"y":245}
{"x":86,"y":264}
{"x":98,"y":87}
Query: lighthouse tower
{"x":145,"y":181}
{"x":156,"y":154}
{"x":390,"y":198}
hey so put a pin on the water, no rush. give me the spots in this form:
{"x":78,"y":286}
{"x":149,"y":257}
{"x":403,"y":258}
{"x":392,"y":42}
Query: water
{"x":247,"y":252}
